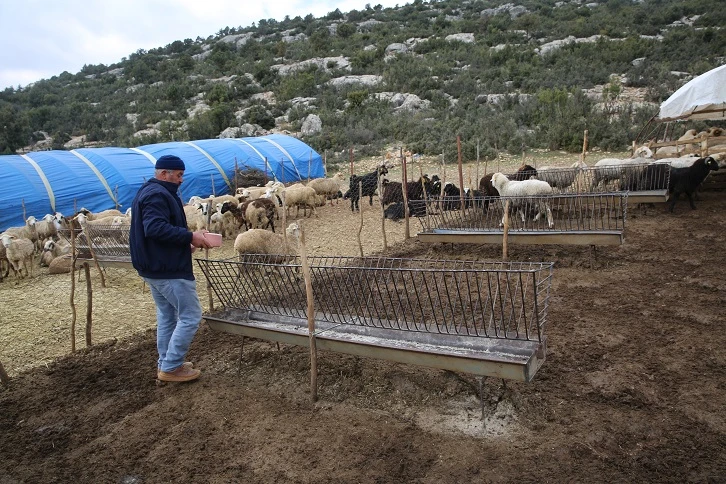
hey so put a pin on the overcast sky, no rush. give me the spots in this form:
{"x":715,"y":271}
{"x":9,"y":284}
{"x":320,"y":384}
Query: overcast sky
{"x":40,"y":39}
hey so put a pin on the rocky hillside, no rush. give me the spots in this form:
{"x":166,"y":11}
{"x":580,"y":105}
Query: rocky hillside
{"x":503,"y":76}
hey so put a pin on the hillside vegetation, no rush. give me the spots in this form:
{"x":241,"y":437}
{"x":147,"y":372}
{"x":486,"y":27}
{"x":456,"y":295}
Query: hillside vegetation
{"x":503,"y":76}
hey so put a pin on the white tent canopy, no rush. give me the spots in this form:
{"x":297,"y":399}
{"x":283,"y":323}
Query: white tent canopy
{"x":701,"y":98}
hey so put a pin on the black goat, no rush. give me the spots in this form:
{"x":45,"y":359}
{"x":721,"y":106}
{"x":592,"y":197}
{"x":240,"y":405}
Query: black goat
{"x":393,"y":191}
{"x":416,"y":208}
{"x":368,"y":184}
{"x":687,"y":180}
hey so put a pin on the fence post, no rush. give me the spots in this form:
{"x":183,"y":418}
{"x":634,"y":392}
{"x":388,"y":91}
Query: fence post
{"x":461,"y":175}
{"x":505,"y":235}
{"x":89,"y":303}
{"x":404,"y":192}
{"x":310,"y":316}
{"x":73,"y":288}
{"x":360,"y":210}
{"x":383,"y":213}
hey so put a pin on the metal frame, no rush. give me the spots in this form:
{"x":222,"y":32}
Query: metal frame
{"x":578,"y":219}
{"x":482,"y":318}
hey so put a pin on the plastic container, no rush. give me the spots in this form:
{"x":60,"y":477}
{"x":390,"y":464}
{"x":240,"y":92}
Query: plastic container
{"x":214,"y":239}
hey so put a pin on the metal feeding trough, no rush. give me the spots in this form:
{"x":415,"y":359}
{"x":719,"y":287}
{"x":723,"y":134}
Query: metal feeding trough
{"x":107,"y":244}
{"x":581,"y":219}
{"x":645,"y":183}
{"x":482,"y":318}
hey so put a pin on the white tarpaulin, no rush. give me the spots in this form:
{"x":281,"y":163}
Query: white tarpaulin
{"x":701,"y":98}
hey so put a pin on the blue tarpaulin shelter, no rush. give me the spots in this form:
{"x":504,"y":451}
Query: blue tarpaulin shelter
{"x":102,"y":178}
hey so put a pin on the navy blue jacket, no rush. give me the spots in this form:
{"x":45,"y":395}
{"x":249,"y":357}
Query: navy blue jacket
{"x":159,"y":240}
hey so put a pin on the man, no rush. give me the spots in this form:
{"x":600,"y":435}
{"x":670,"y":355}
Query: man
{"x":161,"y":252}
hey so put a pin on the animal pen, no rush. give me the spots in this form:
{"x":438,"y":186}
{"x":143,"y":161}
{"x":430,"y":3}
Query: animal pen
{"x":481,"y":318}
{"x":577,"y":219}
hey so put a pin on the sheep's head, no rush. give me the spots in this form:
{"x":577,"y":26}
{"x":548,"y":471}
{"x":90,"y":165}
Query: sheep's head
{"x":643,"y":152}
{"x":382,"y":170}
{"x":81,"y":218}
{"x":711,"y":163}
{"x":49,"y":245}
{"x":7,"y":239}
{"x":498,"y":180}
{"x":48,"y":218}
{"x":293,"y":230}
{"x":30,"y":221}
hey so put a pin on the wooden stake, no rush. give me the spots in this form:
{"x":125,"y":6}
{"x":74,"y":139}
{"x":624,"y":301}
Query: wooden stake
{"x":350,"y":158}
{"x":89,"y":303}
{"x":505,"y":235}
{"x":310,"y":162}
{"x":93,"y":256}
{"x":461,"y":174}
{"x":236,"y":176}
{"x":360,"y":210}
{"x":584,"y":147}
{"x":4,"y":378}
{"x":311,"y":317}
{"x":73,"y":288}
{"x":22,"y":204}
{"x":383,"y":213}
{"x":404,"y":190}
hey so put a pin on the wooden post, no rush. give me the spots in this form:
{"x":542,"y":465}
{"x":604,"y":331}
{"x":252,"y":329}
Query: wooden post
{"x":310,"y":162}
{"x":93,"y":255}
{"x":584,"y":148}
{"x":22,"y":204}
{"x":350,"y":158}
{"x":73,"y":288}
{"x":477,"y":165}
{"x":209,"y":284}
{"x":4,"y":379}
{"x":325,"y":162}
{"x":311,"y":317}
{"x":236,"y":177}
{"x":360,"y":210}
{"x":443,"y":183}
{"x":505,"y":235}
{"x":115,"y":197}
{"x":89,"y":303}
{"x":404,"y":190}
{"x":461,"y":174}
{"x":383,"y":213}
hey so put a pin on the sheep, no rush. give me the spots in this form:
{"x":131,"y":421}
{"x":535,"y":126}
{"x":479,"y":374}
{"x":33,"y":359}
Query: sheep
{"x":259,"y":241}
{"x":609,"y":169}
{"x":112,"y":212}
{"x":196,"y":216}
{"x":393,"y":191}
{"x":3,"y":262}
{"x":28,"y":231}
{"x":305,"y":196}
{"x":53,"y":249}
{"x":394,"y":211}
{"x":326,"y":186}
{"x":47,"y":227}
{"x":60,"y":265}
{"x":560,"y":177}
{"x":691,"y":134}
{"x":237,"y":212}
{"x":515,"y":189}
{"x":687,"y":180}
{"x":260,"y":213}
{"x":367,"y":184}
{"x":19,"y":252}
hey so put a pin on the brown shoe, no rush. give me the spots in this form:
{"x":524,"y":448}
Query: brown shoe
{"x":183,"y":373}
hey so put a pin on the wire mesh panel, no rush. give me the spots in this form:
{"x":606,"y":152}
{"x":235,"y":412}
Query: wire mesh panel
{"x":463,"y":298}
{"x":108,"y":242}
{"x":556,"y":214}
{"x":605,"y":179}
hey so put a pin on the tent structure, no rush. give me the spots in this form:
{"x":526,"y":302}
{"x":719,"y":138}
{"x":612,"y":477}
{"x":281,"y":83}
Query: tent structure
{"x":44,"y":182}
{"x":702,"y":98}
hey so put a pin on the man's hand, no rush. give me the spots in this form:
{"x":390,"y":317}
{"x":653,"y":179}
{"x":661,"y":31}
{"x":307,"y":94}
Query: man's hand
{"x":199,"y":241}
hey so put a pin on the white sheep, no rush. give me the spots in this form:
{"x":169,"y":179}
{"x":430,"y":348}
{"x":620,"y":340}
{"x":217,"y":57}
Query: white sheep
{"x":47,"y":227}
{"x":681,"y":147}
{"x":327,"y":187}
{"x":515,"y":190}
{"x":112,"y":212}
{"x":295,"y":197}
{"x":19,"y":253}
{"x":28,"y":231}
{"x":260,"y":241}
{"x":560,"y":177}
{"x":609,"y":169}
{"x":53,"y":249}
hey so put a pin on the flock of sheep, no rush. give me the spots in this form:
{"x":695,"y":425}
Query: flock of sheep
{"x":249,"y":215}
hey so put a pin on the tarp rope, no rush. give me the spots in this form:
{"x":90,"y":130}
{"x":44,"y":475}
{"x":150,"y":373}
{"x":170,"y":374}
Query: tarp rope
{"x":214,"y":162}
{"x":262,"y":157}
{"x":292,"y":161}
{"x":44,"y":179}
{"x":98,"y":175}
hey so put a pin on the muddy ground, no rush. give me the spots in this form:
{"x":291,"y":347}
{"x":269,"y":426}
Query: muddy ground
{"x":632,"y":390}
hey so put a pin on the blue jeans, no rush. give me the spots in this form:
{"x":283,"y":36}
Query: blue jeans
{"x":178,"y":314}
